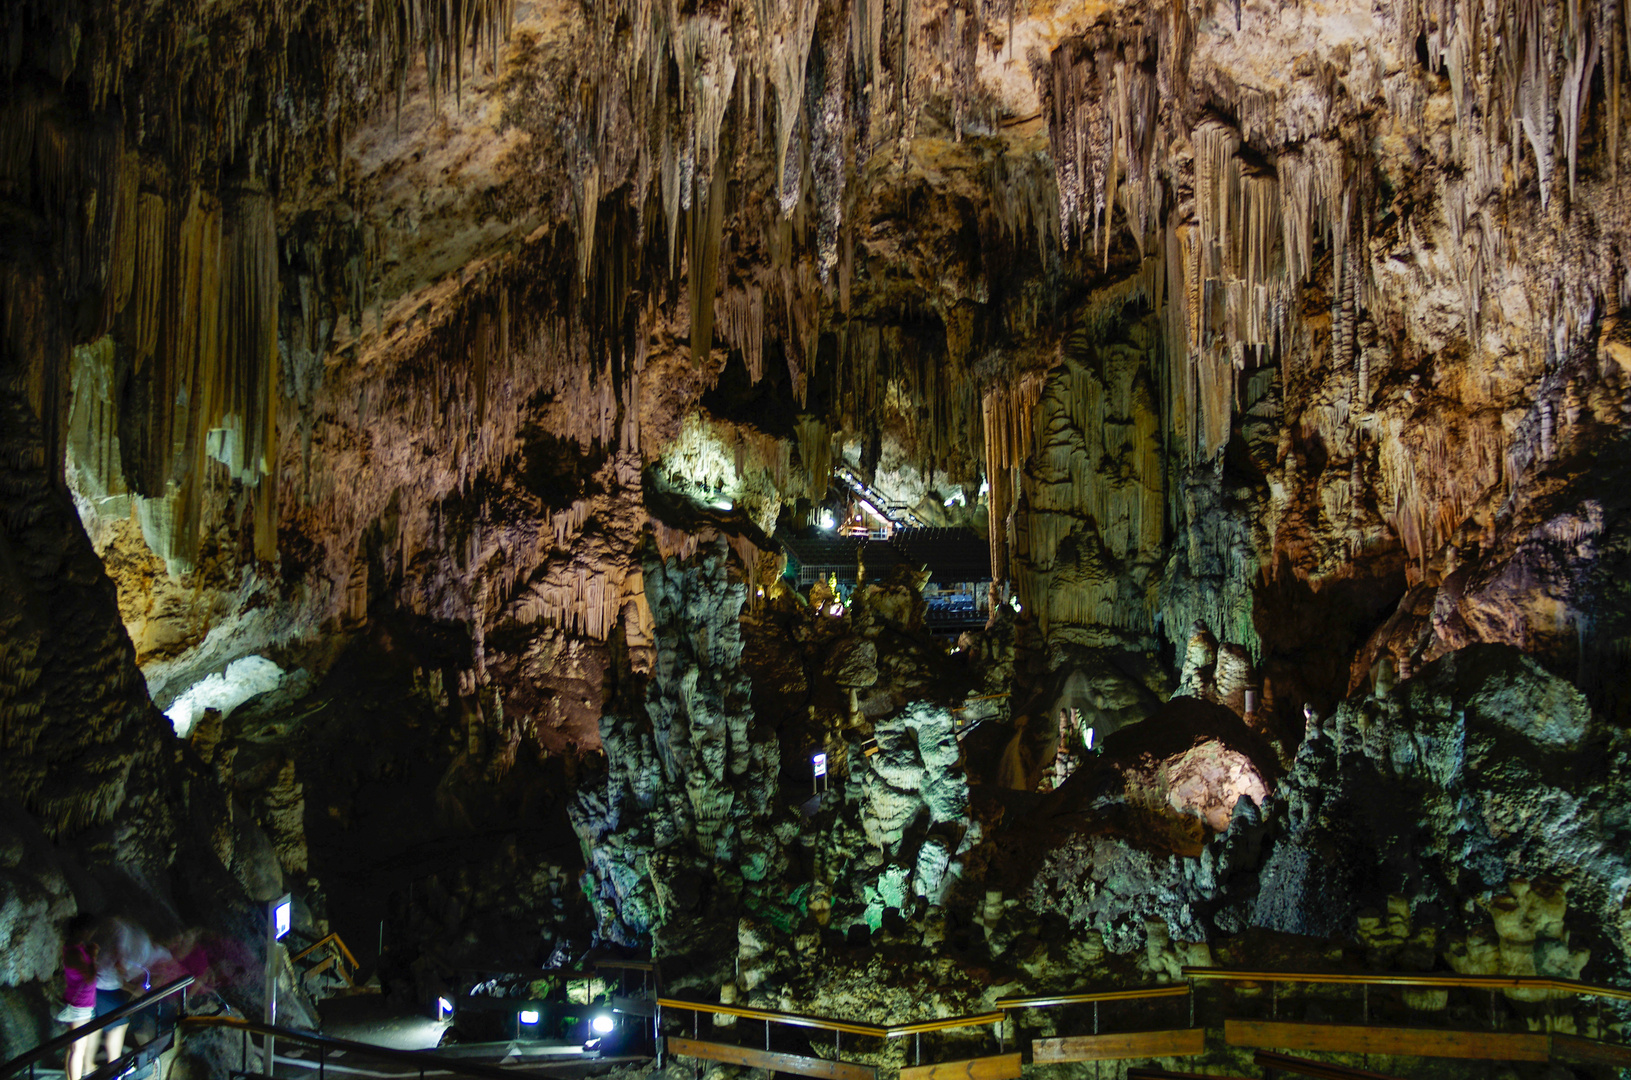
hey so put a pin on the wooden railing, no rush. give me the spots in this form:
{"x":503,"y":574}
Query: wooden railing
{"x":1190,"y":1040}
{"x":823,"y":1023}
{"x":831,"y":1068}
{"x":1424,"y":979}
{"x":339,"y":960}
{"x":1095,"y":996}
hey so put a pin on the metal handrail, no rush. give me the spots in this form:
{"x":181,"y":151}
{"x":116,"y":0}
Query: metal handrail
{"x":135,"y":1058}
{"x":748,"y":1012}
{"x":1176,"y":990}
{"x":91,"y":1027}
{"x":823,"y":1023}
{"x":1439,"y":979}
{"x":325,"y":1043}
{"x":949,"y":1024}
{"x":632,"y":965}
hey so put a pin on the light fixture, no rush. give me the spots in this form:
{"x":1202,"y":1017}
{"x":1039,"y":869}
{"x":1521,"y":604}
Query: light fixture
{"x":1087,"y":733}
{"x":827,"y":521}
{"x":282,"y":915}
{"x":444,"y":1008}
{"x":723,"y":504}
{"x":529,"y":1016}
{"x":602,"y":1023}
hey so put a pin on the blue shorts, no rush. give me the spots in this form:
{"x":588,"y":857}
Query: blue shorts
{"x":107,"y":1001}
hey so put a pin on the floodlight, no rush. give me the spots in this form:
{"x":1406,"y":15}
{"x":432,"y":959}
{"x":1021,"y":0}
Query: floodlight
{"x":444,"y":1008}
{"x":602,"y":1023}
{"x":529,"y":1016}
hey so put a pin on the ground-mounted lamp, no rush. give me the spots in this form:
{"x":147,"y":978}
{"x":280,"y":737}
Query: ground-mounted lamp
{"x":602,"y":1026}
{"x":444,"y":1008}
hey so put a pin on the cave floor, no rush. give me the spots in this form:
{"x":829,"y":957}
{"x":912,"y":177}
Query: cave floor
{"x":379,"y":1021}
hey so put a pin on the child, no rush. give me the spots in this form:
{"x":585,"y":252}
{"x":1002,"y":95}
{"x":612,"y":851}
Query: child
{"x":79,"y":953}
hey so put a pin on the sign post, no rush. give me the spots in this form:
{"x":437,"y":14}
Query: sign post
{"x":279,"y":917}
{"x":819,"y":768}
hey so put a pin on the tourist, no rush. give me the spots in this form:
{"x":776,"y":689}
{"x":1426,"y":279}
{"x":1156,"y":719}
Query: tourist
{"x":78,"y":988}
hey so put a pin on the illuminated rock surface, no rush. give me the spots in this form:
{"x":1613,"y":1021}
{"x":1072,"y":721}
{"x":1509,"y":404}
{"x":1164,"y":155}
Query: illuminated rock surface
{"x":400,"y":403}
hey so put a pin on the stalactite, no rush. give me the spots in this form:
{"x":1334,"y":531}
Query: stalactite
{"x":1007,"y":413}
{"x":1093,"y":493}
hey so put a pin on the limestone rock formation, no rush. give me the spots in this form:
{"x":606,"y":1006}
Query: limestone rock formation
{"x":680,"y":828}
{"x":1442,"y":792}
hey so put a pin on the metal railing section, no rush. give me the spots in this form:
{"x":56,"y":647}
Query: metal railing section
{"x":419,"y":1059}
{"x":29,"y":1059}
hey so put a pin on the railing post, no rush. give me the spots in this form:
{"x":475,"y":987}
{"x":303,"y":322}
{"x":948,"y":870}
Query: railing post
{"x":1095,"y":1018}
{"x":1493,"y":1025}
{"x":917,"y":1038}
{"x":1364,"y":991}
{"x":1192,"y":1002}
{"x":1274,"y":1001}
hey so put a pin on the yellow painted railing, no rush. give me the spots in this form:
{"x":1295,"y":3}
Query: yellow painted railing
{"x":949,"y":1024}
{"x":1135,"y":994}
{"x":338,"y":959}
{"x":1425,"y":979}
{"x":823,"y":1023}
{"x":748,"y":1012}
{"x":332,"y":941}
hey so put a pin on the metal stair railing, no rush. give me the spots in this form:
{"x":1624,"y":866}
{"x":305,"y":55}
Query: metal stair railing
{"x":29,"y":1059}
{"x":324,"y":1044}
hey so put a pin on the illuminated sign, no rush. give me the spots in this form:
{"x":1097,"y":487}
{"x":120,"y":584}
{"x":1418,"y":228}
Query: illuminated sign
{"x":820,"y":762}
{"x":282,"y":915}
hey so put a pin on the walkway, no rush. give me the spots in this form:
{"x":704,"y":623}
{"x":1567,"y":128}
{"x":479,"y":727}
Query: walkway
{"x":1280,"y":1021}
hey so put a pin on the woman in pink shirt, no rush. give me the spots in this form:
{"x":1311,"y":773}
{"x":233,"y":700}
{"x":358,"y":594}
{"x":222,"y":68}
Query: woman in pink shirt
{"x":79,"y":954}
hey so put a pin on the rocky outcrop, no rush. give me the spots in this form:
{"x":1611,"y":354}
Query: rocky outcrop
{"x":1442,"y":792}
{"x":679,"y":829}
